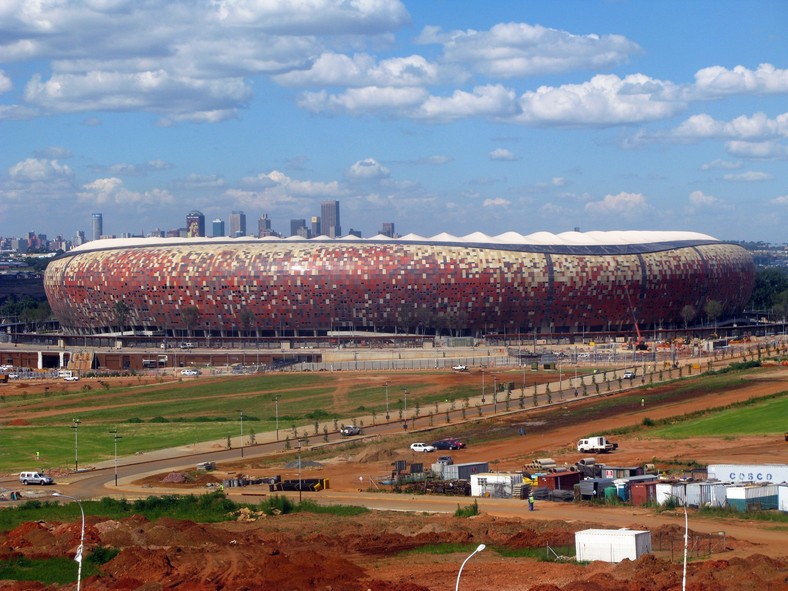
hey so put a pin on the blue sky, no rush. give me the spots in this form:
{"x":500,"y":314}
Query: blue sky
{"x":439,"y":116}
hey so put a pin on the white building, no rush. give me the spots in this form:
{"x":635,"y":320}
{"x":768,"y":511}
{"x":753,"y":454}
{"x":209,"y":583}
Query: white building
{"x":611,"y":545}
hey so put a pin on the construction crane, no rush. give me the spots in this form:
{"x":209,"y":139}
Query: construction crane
{"x":640,"y":344}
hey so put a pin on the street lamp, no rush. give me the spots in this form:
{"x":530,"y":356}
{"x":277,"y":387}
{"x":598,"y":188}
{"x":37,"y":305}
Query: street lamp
{"x":78,"y":555}
{"x":482,"y":385}
{"x":495,"y":394}
{"x":300,"y":483}
{"x":115,"y":437}
{"x":276,"y":406}
{"x":75,"y":426}
{"x":478,"y":549}
{"x":241,"y":412}
{"x":387,"y":401}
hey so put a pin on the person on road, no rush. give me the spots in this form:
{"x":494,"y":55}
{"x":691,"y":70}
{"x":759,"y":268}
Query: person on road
{"x":531,"y":502}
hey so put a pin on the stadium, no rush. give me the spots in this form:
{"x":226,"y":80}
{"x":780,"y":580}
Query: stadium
{"x":472,"y":285}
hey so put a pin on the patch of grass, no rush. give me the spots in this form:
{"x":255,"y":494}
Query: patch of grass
{"x":338,"y":510}
{"x":542,"y":554}
{"x":730,"y":513}
{"x":468,"y":510}
{"x":56,"y":570}
{"x":277,"y":505}
{"x":440,"y":549}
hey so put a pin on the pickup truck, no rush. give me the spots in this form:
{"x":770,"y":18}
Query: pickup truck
{"x":348,"y":430}
{"x":596,"y":444}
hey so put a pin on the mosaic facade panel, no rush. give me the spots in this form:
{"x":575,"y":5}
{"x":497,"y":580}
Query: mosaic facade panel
{"x":274,"y":286}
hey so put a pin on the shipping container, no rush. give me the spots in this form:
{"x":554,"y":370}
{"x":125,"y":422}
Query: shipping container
{"x":782,"y":497}
{"x":593,"y":488}
{"x":497,"y":485}
{"x":559,"y":480}
{"x":774,"y":473}
{"x":671,"y":492}
{"x":643,"y":493}
{"x":611,"y":545}
{"x":621,"y":471}
{"x":706,"y":494}
{"x":464,"y":471}
{"x":744,"y":497}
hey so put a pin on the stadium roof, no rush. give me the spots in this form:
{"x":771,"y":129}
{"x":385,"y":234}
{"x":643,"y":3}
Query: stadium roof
{"x":611,"y":238}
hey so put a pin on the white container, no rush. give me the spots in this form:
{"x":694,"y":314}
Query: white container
{"x":671,"y":492}
{"x":611,"y":545}
{"x":706,"y":494}
{"x":775,"y":473}
{"x":743,"y":496}
{"x":782,"y":498}
{"x":498,"y":485}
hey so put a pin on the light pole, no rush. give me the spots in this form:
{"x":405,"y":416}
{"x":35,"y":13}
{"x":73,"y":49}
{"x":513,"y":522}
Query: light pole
{"x":300,"y":484}
{"x":115,"y":437}
{"x":276,"y":406}
{"x":495,"y":394}
{"x":241,"y":412}
{"x":78,"y":555}
{"x":482,"y":385}
{"x":387,"y":401}
{"x":478,"y":549}
{"x":75,"y":426}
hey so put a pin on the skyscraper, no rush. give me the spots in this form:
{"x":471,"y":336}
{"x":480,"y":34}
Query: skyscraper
{"x":237,"y":224}
{"x":296,"y":226}
{"x":388,"y":229}
{"x":316,"y":225}
{"x":217,"y":227}
{"x":264,"y":226}
{"x":195,"y":224}
{"x":98,"y":226}
{"x":329,"y":219}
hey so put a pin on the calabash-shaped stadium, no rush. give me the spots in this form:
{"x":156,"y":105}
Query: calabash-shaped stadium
{"x":470,"y":285}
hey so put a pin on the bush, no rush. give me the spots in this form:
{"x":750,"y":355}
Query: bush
{"x":277,"y":505}
{"x":468,"y":510}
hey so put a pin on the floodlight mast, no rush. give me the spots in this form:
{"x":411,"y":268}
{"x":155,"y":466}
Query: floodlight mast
{"x":78,"y":555}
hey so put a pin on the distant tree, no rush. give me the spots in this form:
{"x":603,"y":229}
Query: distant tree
{"x":122,"y":310}
{"x":713,"y":310}
{"x":190,"y":315}
{"x":768,"y":283}
{"x":247,"y":320}
{"x":688,"y":314}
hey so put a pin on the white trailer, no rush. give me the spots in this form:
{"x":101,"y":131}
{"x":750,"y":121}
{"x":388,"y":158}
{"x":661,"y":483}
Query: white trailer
{"x":497,"y":485}
{"x":611,"y":545}
{"x":774,"y":473}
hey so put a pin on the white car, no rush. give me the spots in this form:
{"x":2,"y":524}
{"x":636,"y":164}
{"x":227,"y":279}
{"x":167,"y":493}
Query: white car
{"x":190,"y":372}
{"x":71,"y":378}
{"x":629,"y":374}
{"x":459,"y":368}
{"x":422,"y":447}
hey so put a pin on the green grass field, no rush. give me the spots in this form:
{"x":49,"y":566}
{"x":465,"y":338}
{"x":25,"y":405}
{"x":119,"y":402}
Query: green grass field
{"x":761,"y":418}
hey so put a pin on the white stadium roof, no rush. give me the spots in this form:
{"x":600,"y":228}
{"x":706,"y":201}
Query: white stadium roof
{"x":611,"y":238}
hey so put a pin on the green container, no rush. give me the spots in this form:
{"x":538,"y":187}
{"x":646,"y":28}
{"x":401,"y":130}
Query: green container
{"x":610,"y":494}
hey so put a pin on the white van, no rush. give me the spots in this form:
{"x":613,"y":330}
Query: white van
{"x":35,"y":478}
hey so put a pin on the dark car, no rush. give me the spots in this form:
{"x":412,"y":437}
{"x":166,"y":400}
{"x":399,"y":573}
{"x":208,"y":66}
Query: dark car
{"x":458,"y":444}
{"x":445,"y":444}
{"x":349,"y":430}
{"x":445,"y":460}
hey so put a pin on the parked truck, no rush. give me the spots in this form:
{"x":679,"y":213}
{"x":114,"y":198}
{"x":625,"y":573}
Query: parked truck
{"x":596,"y":444}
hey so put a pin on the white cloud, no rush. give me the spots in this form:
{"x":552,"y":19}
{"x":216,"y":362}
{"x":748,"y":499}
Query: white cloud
{"x":369,"y":168}
{"x":5,"y":82}
{"x":717,"y":81}
{"x":510,"y":50}
{"x":184,"y":61}
{"x":602,"y":101}
{"x":364,"y":100}
{"x":484,"y":101}
{"x":748,"y":177}
{"x":755,"y":127}
{"x":558,"y":181}
{"x":781,"y":200}
{"x":111,"y":190}
{"x":625,"y":204}
{"x":502,"y":154}
{"x":721,"y":165}
{"x":496,"y":202}
{"x":699,"y":200}
{"x":770,"y":150}
{"x":281,"y":184}
{"x":332,"y":69}
{"x":39,"y":170}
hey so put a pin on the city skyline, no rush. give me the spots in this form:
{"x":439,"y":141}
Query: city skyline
{"x":437,"y":117}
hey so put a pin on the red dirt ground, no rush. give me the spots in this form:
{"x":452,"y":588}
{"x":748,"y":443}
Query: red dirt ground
{"x":304,"y":551}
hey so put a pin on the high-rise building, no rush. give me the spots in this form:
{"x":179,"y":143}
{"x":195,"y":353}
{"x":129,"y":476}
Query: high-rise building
{"x":329,"y":219}
{"x":315,"y":222}
{"x":195,"y":224}
{"x":217,"y":227}
{"x":297,"y":226}
{"x":388,"y":229}
{"x":80,"y":238}
{"x":237,"y":224}
{"x":264,"y":226}
{"x":98,"y":226}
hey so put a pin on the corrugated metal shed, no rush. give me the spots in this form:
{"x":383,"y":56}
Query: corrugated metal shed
{"x":464,"y":471}
{"x":611,"y":545}
{"x":559,"y":480}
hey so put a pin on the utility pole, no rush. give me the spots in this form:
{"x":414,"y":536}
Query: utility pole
{"x":75,"y":426}
{"x":242,"y":431}
{"x":115,"y":438}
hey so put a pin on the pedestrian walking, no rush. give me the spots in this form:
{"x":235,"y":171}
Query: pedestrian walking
{"x":531,"y":502}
